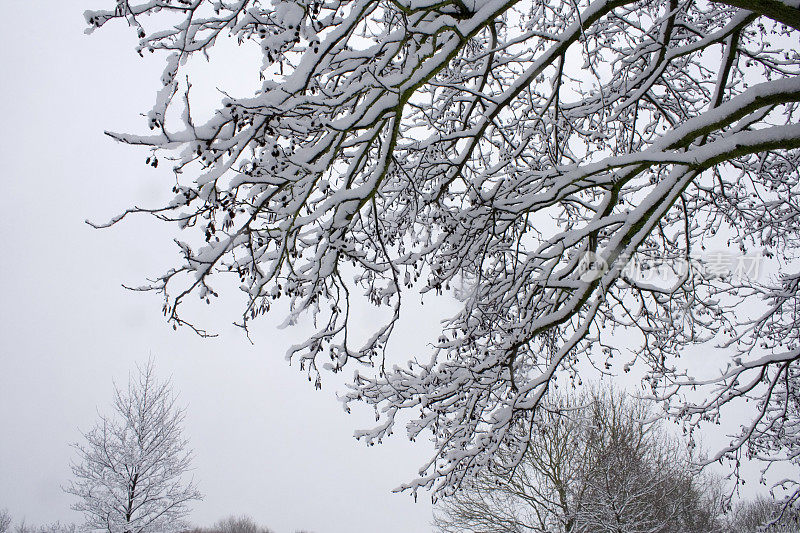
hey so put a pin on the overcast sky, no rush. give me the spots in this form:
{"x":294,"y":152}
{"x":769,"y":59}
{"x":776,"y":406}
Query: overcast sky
{"x":266,"y":443}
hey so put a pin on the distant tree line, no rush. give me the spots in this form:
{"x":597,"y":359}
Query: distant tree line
{"x":234,"y":524}
{"x":595,"y":463}
{"x":231,"y":524}
{"x":7,"y":526}
{"x":760,"y":514}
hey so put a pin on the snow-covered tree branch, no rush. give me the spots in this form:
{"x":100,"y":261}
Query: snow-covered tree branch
{"x":495,"y":146}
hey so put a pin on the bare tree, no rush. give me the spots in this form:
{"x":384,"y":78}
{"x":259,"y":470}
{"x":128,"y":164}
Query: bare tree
{"x":129,"y":477}
{"x":526,"y":153}
{"x":763,"y":514}
{"x":594,"y":465}
{"x":541,"y":494}
{"x":5,"y":520}
{"x":644,"y":488}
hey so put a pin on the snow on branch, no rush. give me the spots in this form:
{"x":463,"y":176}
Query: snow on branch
{"x":523,"y":155}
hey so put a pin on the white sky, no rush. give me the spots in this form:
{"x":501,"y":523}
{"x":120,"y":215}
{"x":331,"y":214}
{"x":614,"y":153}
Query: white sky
{"x":266,"y":444}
